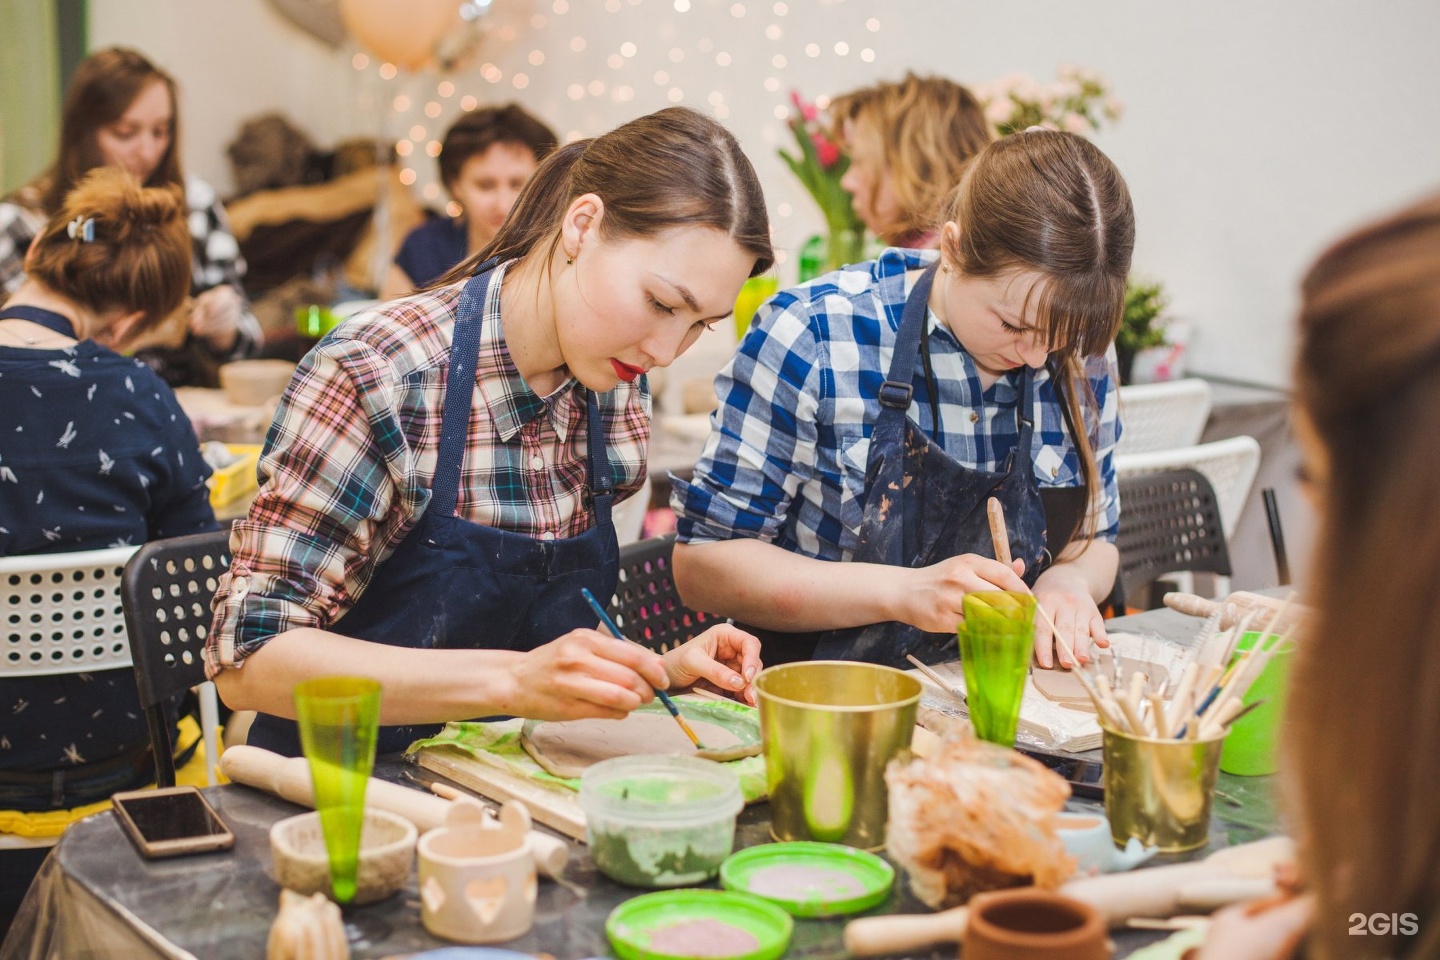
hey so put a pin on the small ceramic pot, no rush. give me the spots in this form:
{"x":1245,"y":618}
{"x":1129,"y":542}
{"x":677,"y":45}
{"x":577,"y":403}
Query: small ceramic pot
{"x":1087,"y":838}
{"x":477,"y":875}
{"x":1033,"y":924}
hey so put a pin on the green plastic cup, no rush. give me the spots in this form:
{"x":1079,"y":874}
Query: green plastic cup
{"x":755,"y":292}
{"x":1250,"y":749}
{"x":997,"y":640}
{"x":339,"y":720}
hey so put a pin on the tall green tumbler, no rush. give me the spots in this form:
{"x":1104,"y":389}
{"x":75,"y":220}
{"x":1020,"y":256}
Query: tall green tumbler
{"x":996,"y":642}
{"x":339,"y":720}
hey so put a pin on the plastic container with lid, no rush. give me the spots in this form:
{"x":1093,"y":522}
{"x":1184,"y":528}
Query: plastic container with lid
{"x":660,"y":821}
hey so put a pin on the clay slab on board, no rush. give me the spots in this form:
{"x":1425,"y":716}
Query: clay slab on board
{"x":567,"y":748}
{"x":1060,"y":686}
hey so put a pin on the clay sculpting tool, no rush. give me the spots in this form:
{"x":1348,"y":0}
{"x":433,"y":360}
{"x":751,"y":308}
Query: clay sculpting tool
{"x":936,"y":679}
{"x":1000,"y":540}
{"x":664,"y":697}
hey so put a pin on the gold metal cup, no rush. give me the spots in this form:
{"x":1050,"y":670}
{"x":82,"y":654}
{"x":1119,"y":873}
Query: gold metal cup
{"x":1160,"y":791}
{"x":829,"y":728}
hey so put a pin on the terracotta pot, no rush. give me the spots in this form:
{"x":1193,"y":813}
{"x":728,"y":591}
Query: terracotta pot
{"x":1034,"y":924}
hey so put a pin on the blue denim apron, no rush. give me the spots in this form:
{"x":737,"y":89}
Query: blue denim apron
{"x":453,"y":583}
{"x":922,"y":507}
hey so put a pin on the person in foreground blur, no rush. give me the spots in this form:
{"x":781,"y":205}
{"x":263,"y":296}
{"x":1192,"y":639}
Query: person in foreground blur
{"x":121,"y":111}
{"x":485,"y":160}
{"x":1362,"y":729}
{"x":908,"y":144}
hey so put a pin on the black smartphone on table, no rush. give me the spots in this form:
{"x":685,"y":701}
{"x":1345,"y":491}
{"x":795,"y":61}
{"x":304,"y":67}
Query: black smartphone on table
{"x":1085,"y":776}
{"x":171,"y":822}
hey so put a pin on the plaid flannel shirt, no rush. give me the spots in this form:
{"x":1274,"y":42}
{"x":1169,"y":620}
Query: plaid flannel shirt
{"x":351,"y":456}
{"x":788,"y":447}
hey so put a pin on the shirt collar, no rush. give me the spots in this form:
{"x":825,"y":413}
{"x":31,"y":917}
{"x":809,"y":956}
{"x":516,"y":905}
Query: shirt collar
{"x":511,"y":401}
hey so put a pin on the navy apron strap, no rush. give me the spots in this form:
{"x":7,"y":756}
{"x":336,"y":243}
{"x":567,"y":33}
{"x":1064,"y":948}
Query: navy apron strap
{"x":602,"y":482}
{"x":48,"y":319}
{"x":897,"y":390}
{"x":459,"y":391}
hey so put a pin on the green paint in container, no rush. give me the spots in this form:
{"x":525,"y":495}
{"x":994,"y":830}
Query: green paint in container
{"x":659,"y":821}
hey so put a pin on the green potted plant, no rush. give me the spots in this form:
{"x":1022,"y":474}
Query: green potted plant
{"x":819,"y":164}
{"x":1140,"y":325}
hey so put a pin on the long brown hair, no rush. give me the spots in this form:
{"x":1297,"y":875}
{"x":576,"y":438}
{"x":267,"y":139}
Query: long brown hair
{"x":669,"y":168}
{"x":1363,"y":722}
{"x":928,"y":128}
{"x":138,"y":254}
{"x":102,"y":89}
{"x":1053,"y":203}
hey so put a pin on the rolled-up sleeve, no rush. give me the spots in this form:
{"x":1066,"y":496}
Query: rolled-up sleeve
{"x":339,"y":489}
{"x":763,"y":437}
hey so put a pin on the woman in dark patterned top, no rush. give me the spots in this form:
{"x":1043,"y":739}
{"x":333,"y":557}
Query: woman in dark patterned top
{"x":94,"y":452}
{"x":120,"y":111}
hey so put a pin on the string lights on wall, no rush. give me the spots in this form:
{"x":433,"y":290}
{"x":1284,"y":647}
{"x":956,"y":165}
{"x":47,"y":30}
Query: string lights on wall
{"x":588,"y":65}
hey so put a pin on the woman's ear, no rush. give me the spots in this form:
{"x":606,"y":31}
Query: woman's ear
{"x":950,"y":239}
{"x":581,"y":221}
{"x":119,"y":330}
{"x":30,"y":251}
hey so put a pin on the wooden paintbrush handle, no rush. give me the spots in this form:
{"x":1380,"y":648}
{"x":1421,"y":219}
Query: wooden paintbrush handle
{"x":999,"y":536}
{"x":877,"y":936}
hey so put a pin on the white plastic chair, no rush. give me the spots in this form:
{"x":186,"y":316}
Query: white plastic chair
{"x":63,"y":614}
{"x":1230,"y":465}
{"x":1163,"y":416}
{"x":629,"y":517}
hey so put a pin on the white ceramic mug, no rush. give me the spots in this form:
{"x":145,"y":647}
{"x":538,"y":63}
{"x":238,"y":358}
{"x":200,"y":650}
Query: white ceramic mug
{"x":1087,"y":838}
{"x":477,"y":875}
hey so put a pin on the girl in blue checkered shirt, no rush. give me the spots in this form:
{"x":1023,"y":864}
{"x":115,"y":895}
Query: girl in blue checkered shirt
{"x":839,"y":508}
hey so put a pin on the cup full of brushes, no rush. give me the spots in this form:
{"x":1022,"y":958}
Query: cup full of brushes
{"x":1161,"y":759}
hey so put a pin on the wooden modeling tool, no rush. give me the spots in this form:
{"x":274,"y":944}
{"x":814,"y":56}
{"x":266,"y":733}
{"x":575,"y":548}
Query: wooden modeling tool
{"x":664,"y":697}
{"x":936,"y":679}
{"x":1000,"y":541}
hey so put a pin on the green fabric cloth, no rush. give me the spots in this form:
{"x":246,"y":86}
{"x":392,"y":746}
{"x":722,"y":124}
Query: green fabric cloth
{"x":498,"y":742}
{"x":29,"y":90}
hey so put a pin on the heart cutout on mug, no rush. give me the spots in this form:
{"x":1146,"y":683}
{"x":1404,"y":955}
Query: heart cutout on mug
{"x":487,"y":897}
{"x":433,"y":895}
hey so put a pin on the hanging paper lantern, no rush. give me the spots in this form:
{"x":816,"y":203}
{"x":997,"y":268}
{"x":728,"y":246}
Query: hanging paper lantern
{"x":402,"y":32}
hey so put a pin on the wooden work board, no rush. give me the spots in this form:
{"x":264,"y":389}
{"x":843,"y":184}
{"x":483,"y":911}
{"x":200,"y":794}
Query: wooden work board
{"x":556,"y":807}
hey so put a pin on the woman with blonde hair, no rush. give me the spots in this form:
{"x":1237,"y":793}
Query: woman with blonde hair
{"x":908,"y":143}
{"x":869,"y":415}
{"x":1362,"y":728}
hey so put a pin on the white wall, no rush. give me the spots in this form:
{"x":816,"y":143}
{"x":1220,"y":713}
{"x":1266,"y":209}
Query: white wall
{"x":1254,"y":132}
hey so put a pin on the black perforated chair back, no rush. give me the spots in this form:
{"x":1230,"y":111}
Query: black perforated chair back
{"x":646,"y":605}
{"x":166,"y":591}
{"x":1169,"y":522}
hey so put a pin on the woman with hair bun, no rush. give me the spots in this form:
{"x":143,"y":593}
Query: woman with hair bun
{"x":121,"y":111}
{"x":95,"y":453}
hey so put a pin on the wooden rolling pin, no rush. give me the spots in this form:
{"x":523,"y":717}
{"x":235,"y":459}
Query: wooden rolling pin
{"x":289,"y":779}
{"x":1235,"y":608}
{"x":1231,"y":875}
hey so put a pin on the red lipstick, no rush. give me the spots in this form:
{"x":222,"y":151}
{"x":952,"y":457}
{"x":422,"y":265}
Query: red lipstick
{"x":624,"y":371}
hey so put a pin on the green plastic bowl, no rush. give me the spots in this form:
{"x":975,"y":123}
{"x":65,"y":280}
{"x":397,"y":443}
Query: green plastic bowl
{"x":633,"y":925}
{"x":818,"y":879}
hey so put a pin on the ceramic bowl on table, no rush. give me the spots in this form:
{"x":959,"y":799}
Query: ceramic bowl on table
{"x":387,"y":854}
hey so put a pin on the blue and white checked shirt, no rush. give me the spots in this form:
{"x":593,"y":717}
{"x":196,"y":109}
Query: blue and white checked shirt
{"x":786,"y":458}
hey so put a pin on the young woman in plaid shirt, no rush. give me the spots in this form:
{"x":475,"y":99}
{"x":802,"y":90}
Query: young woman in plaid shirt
{"x":437,"y":484}
{"x":870,"y":414}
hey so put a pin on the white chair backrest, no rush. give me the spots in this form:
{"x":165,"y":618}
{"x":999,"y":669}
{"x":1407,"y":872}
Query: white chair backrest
{"x":1163,"y":416}
{"x":62,"y":613}
{"x":629,"y":517}
{"x":1230,"y":465}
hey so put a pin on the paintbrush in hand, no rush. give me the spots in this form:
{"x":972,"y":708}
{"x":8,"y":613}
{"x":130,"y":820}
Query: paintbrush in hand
{"x":664,"y":697}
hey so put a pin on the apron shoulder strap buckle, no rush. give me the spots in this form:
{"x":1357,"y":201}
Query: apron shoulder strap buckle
{"x":896,"y":395}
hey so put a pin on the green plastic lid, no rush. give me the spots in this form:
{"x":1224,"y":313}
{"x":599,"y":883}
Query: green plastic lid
{"x":665,"y":925}
{"x":810,"y":879}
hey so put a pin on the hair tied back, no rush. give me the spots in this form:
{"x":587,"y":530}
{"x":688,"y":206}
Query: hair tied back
{"x":82,"y":228}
